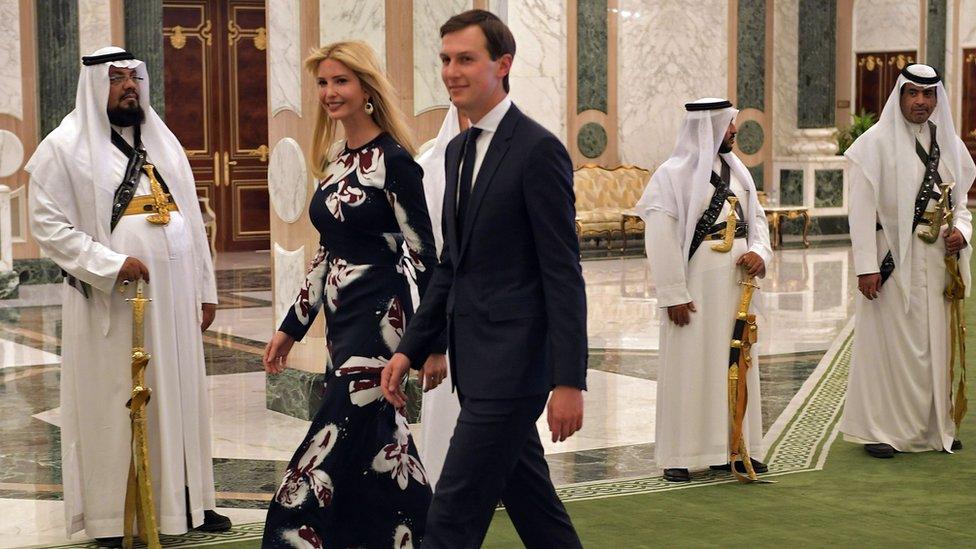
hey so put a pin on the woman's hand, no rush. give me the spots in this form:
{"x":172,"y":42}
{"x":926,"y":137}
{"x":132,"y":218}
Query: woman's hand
{"x":276,"y":353}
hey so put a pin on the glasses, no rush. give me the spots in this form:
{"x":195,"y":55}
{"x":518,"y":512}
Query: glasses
{"x":120,"y":78}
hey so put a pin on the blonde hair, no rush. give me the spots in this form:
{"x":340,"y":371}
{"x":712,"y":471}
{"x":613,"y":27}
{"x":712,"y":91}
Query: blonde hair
{"x":359,"y":57}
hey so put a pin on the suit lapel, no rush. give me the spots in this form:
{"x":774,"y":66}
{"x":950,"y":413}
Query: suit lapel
{"x":493,"y":157}
{"x":452,"y":159}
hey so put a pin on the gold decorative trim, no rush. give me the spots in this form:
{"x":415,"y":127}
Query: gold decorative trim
{"x":235,"y":135}
{"x":235,"y":33}
{"x":201,"y":32}
{"x":206,"y":34}
{"x":238,"y":186}
{"x":901,"y":61}
{"x":618,"y":167}
{"x":261,"y":152}
{"x":178,"y":39}
{"x":870,"y":62}
{"x":177,"y":35}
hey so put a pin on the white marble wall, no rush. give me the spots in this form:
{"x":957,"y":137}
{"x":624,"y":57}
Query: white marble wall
{"x":538,"y":78}
{"x":967,"y":23}
{"x":289,"y":273}
{"x":354,"y":20}
{"x":288,"y":180}
{"x":668,"y":53}
{"x":785,"y":65}
{"x":284,"y":57}
{"x":428,"y":16}
{"x":11,"y":94}
{"x":500,"y":8}
{"x":6,"y":248}
{"x":11,"y":153}
{"x":885,"y":25}
{"x":94,"y":25}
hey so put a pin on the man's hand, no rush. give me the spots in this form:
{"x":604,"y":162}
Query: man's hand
{"x":209,"y":312}
{"x":391,"y":379}
{"x":565,"y":413}
{"x":954,"y":241}
{"x":681,"y":314}
{"x":869,"y":284}
{"x":275,"y":357}
{"x":434,"y":371}
{"x":753,"y":263}
{"x":132,"y":270}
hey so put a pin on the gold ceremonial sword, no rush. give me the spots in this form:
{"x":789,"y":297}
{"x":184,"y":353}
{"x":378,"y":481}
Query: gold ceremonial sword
{"x":942,"y":215}
{"x":728,"y":239}
{"x":138,"y":493}
{"x":955,"y":292}
{"x":744,"y":333}
{"x":161,"y":217}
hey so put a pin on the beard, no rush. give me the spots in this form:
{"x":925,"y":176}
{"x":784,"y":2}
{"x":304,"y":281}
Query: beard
{"x":725,"y":147}
{"x":124,"y":118}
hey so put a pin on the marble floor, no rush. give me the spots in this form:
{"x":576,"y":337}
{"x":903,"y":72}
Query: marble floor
{"x":806,"y":301}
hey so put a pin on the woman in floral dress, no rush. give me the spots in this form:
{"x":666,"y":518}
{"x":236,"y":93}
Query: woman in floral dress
{"x":356,"y":480}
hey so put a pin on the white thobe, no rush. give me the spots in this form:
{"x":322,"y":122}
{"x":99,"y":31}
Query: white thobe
{"x":95,"y":373}
{"x":692,"y":416}
{"x":899,"y":387}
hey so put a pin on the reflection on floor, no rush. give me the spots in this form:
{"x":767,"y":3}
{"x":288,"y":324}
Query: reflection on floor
{"x":805,"y":303}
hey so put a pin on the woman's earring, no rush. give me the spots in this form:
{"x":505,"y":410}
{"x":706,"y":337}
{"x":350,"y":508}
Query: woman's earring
{"x":368,"y":108}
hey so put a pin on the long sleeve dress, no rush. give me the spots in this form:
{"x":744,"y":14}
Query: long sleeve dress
{"x":356,"y":480}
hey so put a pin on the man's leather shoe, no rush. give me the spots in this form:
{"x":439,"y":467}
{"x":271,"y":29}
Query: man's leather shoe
{"x":956,"y":445}
{"x":677,"y":475}
{"x":109,"y":542}
{"x":881,"y":450}
{"x":757,"y":466}
{"x":214,"y":522}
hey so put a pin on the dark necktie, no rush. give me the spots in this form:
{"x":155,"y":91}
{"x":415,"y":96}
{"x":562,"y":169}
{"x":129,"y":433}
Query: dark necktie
{"x":467,"y":174}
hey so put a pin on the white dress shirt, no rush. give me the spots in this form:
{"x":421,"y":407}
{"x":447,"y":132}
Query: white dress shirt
{"x":488,"y":126}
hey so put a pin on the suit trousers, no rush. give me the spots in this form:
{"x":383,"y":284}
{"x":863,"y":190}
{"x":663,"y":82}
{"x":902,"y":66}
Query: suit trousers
{"x":495,"y":454}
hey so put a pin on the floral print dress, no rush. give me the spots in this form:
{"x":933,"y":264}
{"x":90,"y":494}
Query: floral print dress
{"x":356,"y":480}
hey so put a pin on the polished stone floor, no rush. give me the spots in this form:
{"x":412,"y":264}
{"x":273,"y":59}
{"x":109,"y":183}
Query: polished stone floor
{"x":806,"y":301}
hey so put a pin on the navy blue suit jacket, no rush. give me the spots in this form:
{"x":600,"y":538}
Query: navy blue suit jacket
{"x":508,"y":294}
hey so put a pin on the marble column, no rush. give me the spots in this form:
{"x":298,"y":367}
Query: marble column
{"x":935,"y":34}
{"x":94,"y":19}
{"x":750,"y":87}
{"x":144,"y":38}
{"x":815,"y":94}
{"x":808,"y":172}
{"x":9,"y":280}
{"x":58,"y":60}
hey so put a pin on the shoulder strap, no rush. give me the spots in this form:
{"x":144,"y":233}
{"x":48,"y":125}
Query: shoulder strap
{"x":704,"y":226}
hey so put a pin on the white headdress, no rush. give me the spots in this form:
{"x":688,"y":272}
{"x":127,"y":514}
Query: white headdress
{"x":886,"y":155}
{"x":681,"y":186}
{"x":432,"y":161}
{"x":70,"y":163}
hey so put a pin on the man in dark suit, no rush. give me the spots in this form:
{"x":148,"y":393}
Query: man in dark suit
{"x":508,"y":299}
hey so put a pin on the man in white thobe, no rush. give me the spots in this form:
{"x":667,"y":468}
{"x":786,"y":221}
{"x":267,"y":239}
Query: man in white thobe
{"x":898,"y":395}
{"x":90,"y":204}
{"x":440,"y":408}
{"x":685,"y":207}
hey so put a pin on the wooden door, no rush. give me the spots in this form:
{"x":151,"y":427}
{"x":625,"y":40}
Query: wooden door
{"x":876,"y":75}
{"x":968,"y":126}
{"x":216,"y":104}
